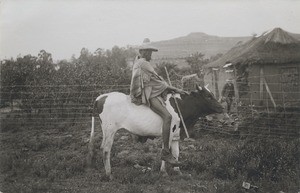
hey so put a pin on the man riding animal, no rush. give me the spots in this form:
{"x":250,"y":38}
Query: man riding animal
{"x":117,"y":110}
{"x":148,"y":88}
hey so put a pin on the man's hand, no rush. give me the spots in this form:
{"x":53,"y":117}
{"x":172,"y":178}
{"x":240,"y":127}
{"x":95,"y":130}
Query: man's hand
{"x":176,"y":90}
{"x":180,"y":91}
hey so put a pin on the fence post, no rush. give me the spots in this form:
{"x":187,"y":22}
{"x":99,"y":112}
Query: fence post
{"x":268,"y":122}
{"x":284,"y":109}
{"x":236,"y":91}
{"x":11,"y":101}
{"x":251,"y":108}
{"x":62,"y":103}
{"x":261,"y":85}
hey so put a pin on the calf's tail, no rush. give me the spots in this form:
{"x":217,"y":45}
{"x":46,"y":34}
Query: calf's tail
{"x":97,"y":110}
{"x":91,"y":144}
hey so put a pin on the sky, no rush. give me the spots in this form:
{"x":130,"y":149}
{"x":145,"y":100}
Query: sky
{"x":64,"y":27}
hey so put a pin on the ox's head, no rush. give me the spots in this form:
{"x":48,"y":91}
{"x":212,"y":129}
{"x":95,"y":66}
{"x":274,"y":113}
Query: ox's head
{"x":211,"y":106}
{"x":216,"y":110}
{"x":206,"y":101}
{"x":199,"y":103}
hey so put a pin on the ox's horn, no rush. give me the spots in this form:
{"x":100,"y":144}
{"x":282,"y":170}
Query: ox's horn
{"x":199,"y":88}
{"x":206,"y":87}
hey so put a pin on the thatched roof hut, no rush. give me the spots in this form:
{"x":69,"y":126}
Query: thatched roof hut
{"x":265,"y":69}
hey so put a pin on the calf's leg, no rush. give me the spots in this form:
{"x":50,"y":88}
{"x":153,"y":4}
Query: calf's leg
{"x":175,"y":153}
{"x":163,"y":169}
{"x":108,"y":139}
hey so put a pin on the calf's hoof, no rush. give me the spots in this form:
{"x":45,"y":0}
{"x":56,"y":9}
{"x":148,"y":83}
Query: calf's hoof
{"x":177,"y":172}
{"x":107,"y":178}
{"x":164,"y":174}
{"x":167,"y":156}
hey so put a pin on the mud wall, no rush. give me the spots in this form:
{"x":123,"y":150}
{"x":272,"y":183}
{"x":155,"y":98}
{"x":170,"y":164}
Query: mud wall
{"x":271,"y":85}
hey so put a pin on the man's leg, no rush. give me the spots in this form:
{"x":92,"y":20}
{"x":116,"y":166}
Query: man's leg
{"x":160,"y":109}
{"x":229,"y":103}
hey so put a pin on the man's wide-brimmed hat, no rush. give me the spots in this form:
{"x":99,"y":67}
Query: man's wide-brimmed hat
{"x":146,"y":46}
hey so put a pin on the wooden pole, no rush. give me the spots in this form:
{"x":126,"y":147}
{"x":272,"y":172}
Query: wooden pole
{"x":236,"y":91}
{"x":252,"y":116}
{"x":216,"y":77}
{"x":177,"y":106}
{"x":283,"y":104}
{"x":261,"y":85}
{"x":270,"y":94}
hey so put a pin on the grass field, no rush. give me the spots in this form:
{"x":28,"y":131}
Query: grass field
{"x":53,"y":159}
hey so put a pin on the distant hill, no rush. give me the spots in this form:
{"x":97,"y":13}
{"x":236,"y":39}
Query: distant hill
{"x":198,"y":42}
{"x":297,"y":36}
{"x":195,"y":42}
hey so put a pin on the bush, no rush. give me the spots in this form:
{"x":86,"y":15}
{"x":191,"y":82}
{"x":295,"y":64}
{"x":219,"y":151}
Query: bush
{"x":269,"y":160}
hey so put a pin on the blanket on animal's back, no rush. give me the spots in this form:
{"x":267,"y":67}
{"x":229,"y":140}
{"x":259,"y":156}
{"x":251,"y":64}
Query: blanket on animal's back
{"x":145,"y":82}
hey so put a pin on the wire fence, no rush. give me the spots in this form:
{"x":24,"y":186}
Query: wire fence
{"x":52,"y":105}
{"x":265,"y":106}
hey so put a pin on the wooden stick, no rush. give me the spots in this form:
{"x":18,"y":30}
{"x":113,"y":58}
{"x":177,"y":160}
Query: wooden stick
{"x":177,"y":106}
{"x":269,"y":92}
{"x":261,"y":85}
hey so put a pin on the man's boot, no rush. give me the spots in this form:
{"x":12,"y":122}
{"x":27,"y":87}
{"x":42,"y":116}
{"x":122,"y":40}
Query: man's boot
{"x":167,"y":156}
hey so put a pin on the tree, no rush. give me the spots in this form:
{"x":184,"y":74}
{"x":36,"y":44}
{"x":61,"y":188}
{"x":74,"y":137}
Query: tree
{"x":196,"y":61}
{"x":85,"y":57}
{"x":16,"y":76}
{"x":39,"y":83}
{"x":171,"y":68}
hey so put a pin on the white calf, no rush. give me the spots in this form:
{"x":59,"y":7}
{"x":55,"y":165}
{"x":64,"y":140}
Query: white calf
{"x":116,"y":112}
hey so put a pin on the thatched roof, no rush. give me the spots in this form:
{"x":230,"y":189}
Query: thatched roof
{"x":277,"y":46}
